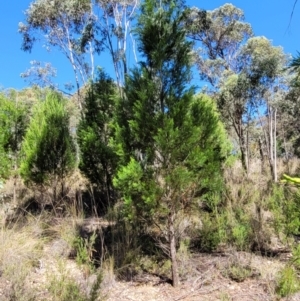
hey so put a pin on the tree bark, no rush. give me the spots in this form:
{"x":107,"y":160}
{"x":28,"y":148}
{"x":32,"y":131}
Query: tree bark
{"x":239,"y":129}
{"x":244,"y":155}
{"x":172,"y":241}
{"x":273,"y":142}
{"x":275,"y":146}
{"x":262,"y":156}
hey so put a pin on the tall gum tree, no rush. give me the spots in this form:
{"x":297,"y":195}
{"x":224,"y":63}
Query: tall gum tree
{"x":239,"y":67}
{"x":264,"y":66}
{"x":81,"y":29}
{"x":170,"y":143}
{"x":219,"y":34}
{"x":60,"y":24}
{"x":114,"y":23}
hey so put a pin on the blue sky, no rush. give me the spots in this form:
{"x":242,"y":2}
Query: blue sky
{"x":269,"y":18}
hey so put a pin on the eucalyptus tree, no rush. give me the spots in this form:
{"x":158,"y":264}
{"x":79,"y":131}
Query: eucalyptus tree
{"x":218,"y":35}
{"x":239,"y":67}
{"x":42,"y":75}
{"x":114,"y":21}
{"x":289,"y":120}
{"x":170,"y":143}
{"x":60,"y":24}
{"x":258,"y":85}
{"x":80,"y":29}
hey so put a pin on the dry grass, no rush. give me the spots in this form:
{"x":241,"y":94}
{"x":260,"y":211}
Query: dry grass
{"x":235,"y":174}
{"x":35,"y":263}
{"x":21,"y":251}
{"x":47,"y":275}
{"x":22,"y":192}
{"x":35,"y":249}
{"x":207,"y":282}
{"x":35,"y":255}
{"x":20,"y":246}
{"x":291,"y":167}
{"x":68,"y":196}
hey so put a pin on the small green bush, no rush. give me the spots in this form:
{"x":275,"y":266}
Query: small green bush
{"x":296,"y":257}
{"x":94,"y":294}
{"x":288,"y":282}
{"x":238,"y":272}
{"x":212,"y":233}
{"x":84,"y":248}
{"x":64,"y":288}
{"x":240,"y":235}
{"x":284,"y":203}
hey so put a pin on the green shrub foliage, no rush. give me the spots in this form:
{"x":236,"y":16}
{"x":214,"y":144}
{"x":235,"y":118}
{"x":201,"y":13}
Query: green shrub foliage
{"x":170,"y":143}
{"x":97,"y":157}
{"x":49,"y":149}
{"x":13,"y":122}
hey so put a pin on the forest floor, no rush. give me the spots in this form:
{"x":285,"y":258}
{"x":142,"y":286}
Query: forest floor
{"x":212,"y":280}
{"x":35,"y":268}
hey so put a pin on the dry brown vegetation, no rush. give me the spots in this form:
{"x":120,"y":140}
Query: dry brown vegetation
{"x":72,"y":256}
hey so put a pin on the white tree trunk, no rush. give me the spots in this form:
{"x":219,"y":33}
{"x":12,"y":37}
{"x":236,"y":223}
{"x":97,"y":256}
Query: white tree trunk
{"x":275,"y":148}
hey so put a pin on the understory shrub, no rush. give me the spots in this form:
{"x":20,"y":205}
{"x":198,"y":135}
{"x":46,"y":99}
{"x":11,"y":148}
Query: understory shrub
{"x":288,"y":282}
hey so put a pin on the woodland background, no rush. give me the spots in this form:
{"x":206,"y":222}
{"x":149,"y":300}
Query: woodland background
{"x":140,"y":173}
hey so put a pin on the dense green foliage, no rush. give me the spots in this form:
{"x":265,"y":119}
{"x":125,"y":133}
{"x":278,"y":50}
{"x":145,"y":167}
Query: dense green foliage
{"x":246,"y":75}
{"x":184,"y":156}
{"x":49,"y":149}
{"x":150,"y":149}
{"x":13,"y":120}
{"x":170,"y":143}
{"x":97,"y":157}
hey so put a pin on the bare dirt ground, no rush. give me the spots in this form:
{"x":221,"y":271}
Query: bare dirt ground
{"x":210,"y":281}
{"x":205,"y":277}
{"x":224,"y":276}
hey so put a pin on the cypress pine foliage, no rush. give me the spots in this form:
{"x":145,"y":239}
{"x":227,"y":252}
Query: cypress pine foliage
{"x":4,"y":162}
{"x":171,"y":143}
{"x":5,"y":134}
{"x":48,"y":147}
{"x":13,"y":122}
{"x":97,"y":158}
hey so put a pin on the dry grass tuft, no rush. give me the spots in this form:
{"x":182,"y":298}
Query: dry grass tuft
{"x":20,"y":247}
{"x":20,"y":255}
{"x":291,"y":167}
